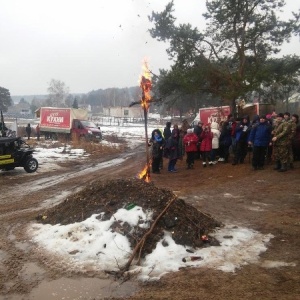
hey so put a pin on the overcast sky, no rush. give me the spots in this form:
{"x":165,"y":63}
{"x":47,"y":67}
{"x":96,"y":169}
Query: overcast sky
{"x":89,"y":45}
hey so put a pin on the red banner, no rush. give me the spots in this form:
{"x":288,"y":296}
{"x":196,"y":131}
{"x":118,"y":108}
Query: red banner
{"x":214,"y":114}
{"x":55,"y":117}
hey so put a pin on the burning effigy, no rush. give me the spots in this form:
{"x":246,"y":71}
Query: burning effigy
{"x":146,"y":99}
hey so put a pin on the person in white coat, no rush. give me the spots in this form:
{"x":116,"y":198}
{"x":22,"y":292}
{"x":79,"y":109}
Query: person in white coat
{"x":215,"y":142}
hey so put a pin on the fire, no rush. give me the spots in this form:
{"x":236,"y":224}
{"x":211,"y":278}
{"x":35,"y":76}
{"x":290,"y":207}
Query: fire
{"x":144,"y":174}
{"x":146,"y":85}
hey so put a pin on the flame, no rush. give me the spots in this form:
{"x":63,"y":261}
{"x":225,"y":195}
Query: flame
{"x":146,"y":86}
{"x":144,"y":174}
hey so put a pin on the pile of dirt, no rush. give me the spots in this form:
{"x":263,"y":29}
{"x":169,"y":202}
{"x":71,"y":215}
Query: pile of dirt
{"x":189,"y":226}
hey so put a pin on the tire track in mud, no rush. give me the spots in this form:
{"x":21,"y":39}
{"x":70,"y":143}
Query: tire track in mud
{"x":26,"y":197}
{"x":46,"y":182}
{"x":52,"y":180}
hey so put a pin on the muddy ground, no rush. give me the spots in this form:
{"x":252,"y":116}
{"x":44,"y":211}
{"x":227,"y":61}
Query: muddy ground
{"x":265,"y":200}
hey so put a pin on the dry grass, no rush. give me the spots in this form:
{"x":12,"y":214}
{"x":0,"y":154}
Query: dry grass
{"x":113,"y":138}
{"x":44,"y":143}
{"x":95,"y":149}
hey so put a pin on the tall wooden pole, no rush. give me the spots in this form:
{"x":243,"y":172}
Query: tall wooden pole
{"x":146,"y":135}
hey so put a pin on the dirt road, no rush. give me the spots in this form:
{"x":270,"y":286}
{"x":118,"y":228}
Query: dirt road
{"x":266,"y":200}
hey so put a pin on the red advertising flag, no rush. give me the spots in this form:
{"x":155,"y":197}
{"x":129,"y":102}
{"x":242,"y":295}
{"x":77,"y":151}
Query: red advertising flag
{"x":214,"y":114}
{"x":55,"y":117}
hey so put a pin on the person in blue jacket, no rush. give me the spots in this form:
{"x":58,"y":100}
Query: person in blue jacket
{"x":242,"y":132}
{"x":260,"y":138}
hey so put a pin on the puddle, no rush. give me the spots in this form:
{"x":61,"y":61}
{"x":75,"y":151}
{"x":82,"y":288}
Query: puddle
{"x":83,"y":288}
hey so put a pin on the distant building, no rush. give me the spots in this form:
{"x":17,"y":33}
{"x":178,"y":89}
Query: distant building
{"x":295,"y":98}
{"x":124,"y":112}
{"x":294,"y":102}
{"x":20,"y":110}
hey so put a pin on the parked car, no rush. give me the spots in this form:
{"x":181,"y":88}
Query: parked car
{"x":14,"y":152}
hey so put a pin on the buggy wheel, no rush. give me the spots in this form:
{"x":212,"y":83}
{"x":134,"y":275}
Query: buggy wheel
{"x":31,"y":165}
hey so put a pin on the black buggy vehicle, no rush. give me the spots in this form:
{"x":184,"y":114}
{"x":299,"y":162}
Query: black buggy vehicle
{"x":14,"y":152}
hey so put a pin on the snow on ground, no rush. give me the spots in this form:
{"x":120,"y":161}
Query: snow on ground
{"x":92,"y":244}
{"x":49,"y":157}
{"x":133,"y":133}
{"x":59,"y":154}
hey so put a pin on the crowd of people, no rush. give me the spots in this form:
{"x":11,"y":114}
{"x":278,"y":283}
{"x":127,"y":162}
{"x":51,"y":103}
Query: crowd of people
{"x":274,"y":137}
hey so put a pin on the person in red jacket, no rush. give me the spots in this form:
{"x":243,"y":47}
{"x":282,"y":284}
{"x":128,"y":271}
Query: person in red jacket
{"x":206,"y":144}
{"x":190,"y":141}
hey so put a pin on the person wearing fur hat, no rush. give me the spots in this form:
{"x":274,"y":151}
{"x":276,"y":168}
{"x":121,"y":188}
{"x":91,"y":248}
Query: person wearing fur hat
{"x":259,"y":139}
{"x":280,"y":141}
{"x":190,"y":141}
{"x":206,"y":144}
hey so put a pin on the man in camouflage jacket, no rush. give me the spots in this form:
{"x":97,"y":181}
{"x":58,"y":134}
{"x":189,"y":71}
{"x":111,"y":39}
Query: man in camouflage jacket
{"x":292,"y":134}
{"x":281,"y":140}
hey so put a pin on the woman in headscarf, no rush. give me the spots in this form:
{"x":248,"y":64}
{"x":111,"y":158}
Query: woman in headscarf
{"x":157,"y":143}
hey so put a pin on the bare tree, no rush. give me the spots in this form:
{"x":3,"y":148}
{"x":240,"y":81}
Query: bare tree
{"x":58,"y":93}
